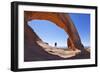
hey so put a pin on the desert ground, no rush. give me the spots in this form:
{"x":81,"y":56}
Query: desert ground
{"x":61,"y":52}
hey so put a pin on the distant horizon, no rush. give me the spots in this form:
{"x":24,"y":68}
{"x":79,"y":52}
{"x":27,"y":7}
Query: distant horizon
{"x":67,"y":47}
{"x":54,"y":33}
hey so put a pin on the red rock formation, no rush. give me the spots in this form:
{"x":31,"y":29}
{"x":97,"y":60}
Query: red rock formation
{"x":32,"y":51}
{"x":60,"y":19}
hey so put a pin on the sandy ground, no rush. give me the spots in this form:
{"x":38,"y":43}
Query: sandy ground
{"x":57,"y":51}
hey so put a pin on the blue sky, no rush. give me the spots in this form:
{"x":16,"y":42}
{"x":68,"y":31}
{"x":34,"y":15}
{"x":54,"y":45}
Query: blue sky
{"x":82,"y":23}
{"x":50,"y":33}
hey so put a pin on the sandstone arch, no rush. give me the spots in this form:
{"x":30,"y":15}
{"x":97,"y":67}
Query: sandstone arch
{"x":60,"y":19}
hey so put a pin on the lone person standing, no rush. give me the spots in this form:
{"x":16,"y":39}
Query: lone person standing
{"x":55,"y":44}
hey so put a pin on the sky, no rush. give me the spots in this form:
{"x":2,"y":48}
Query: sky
{"x":82,"y":23}
{"x":49,"y":32}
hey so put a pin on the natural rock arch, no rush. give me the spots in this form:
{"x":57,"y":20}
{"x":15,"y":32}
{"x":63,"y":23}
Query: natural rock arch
{"x":62,"y":20}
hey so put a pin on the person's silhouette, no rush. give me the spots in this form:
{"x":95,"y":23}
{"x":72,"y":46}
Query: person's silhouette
{"x":55,"y":44}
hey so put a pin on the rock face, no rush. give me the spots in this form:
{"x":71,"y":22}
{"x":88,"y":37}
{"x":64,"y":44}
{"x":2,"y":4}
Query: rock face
{"x":60,"y":19}
{"x":32,"y":51}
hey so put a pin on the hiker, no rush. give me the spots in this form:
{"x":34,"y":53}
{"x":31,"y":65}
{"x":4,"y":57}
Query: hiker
{"x":55,"y":44}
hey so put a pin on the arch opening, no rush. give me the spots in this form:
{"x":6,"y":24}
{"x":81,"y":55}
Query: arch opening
{"x":50,"y":33}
